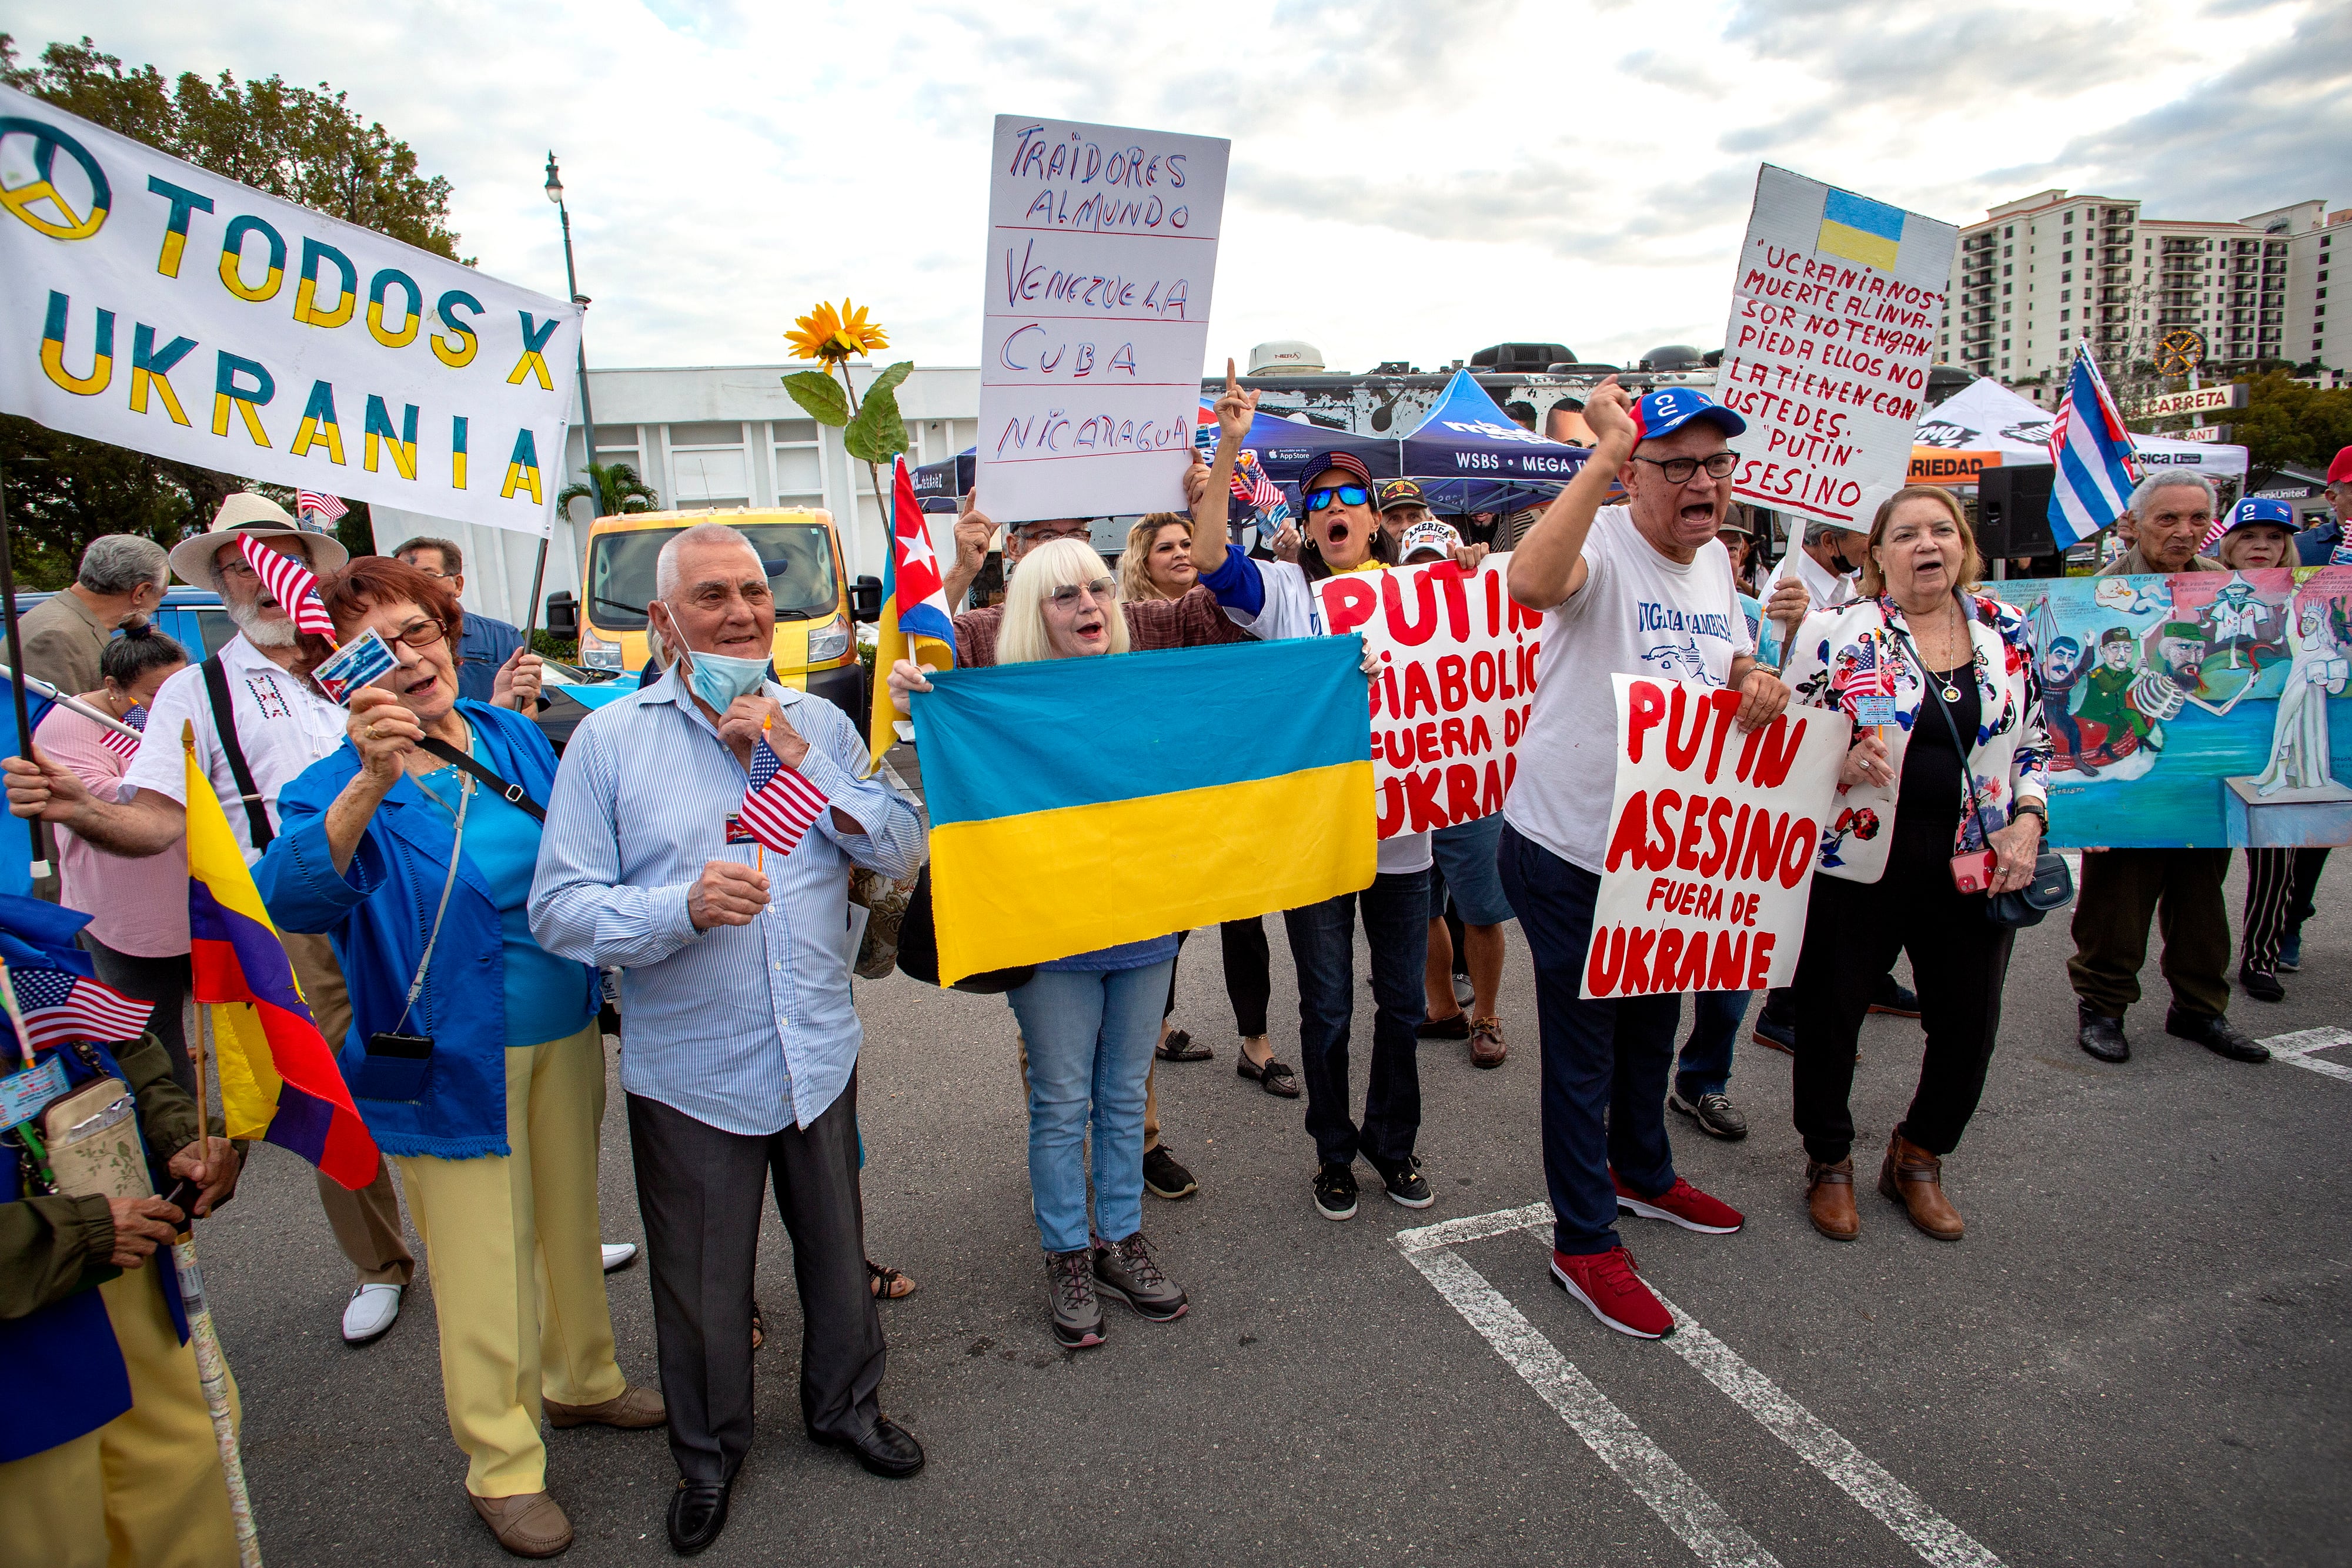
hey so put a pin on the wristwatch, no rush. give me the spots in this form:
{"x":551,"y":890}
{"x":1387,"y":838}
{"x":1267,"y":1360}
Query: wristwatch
{"x":2034,"y":808}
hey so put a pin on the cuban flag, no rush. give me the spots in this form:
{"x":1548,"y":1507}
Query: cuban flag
{"x":2091,"y":452}
{"x":914,"y":606}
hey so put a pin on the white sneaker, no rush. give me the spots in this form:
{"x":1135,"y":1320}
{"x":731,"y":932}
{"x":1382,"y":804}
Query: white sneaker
{"x":373,"y":1308}
{"x":619,"y":1255}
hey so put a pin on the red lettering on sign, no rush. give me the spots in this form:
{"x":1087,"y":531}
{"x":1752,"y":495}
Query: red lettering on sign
{"x":1632,"y":835}
{"x":1417,"y":695}
{"x":1692,"y":976}
{"x":1492,"y":800}
{"x":1646,"y":705}
{"x":1608,"y":956}
{"x":1681,"y":753}
{"x":1457,"y":602}
{"x":1661,"y":805}
{"x":1798,"y":854}
{"x":1662,"y":967}
{"x":1730,"y":970}
{"x":1776,"y":753}
{"x":1460,"y":792}
{"x":1494,"y":604}
{"x":1482,"y":675}
{"x":1424,"y":736}
{"x":1453,"y":683}
{"x":1413,"y":633}
{"x":1759,"y":962}
{"x":1391,"y":807}
{"x":1635,"y":973}
{"x":1694,"y":823}
{"x":1457,"y":741}
{"x":1766,"y":835}
{"x":1718,"y":845}
{"x":1349,"y":602}
{"x":1421,"y":796}
{"x":1726,"y":703}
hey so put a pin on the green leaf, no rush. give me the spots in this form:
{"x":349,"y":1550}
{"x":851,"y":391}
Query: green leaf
{"x":820,"y":396}
{"x":889,"y":378}
{"x":878,"y":433}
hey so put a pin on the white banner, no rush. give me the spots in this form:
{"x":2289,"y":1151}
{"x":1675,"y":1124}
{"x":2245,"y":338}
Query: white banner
{"x":1834,"y":311}
{"x":1713,"y":834}
{"x":175,"y":312}
{"x":1457,"y":676}
{"x":1102,"y":251}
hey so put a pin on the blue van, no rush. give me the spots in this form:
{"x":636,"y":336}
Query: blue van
{"x":191,"y":616}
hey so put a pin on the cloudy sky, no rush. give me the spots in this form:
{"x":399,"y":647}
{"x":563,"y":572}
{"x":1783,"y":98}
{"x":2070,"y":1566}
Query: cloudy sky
{"x":1410,"y":180}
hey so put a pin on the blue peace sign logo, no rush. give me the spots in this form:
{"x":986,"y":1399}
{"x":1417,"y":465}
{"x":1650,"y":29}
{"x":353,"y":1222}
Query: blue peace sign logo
{"x":39,"y":200}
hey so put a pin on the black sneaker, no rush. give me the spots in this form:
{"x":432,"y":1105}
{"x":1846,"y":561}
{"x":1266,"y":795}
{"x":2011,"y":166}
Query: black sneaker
{"x":1070,"y":1295}
{"x":1404,"y":1182}
{"x":2263,"y":988}
{"x":1164,"y":1177}
{"x":1716,"y":1114}
{"x":1335,"y":1190}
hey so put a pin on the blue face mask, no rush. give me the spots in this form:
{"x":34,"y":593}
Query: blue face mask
{"x":718,"y":679}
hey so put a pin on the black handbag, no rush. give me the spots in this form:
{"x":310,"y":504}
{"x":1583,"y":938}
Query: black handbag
{"x":918,"y":949}
{"x":2053,"y":886}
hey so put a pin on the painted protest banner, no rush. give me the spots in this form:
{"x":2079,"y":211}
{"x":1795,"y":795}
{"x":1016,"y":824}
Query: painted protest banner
{"x":1835,"y":314}
{"x":1711,"y":847}
{"x":1457,"y":676}
{"x":170,"y":310}
{"x":1102,"y":251}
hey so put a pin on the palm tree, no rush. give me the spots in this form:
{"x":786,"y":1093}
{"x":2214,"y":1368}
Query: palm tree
{"x":614,"y":488}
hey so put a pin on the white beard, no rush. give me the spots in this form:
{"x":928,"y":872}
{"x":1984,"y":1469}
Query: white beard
{"x":246,"y":618}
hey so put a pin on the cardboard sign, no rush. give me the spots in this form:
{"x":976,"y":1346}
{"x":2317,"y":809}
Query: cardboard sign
{"x":1834,"y":315}
{"x":1457,"y":676}
{"x":1102,"y":251}
{"x":170,"y":310}
{"x":353,"y":665}
{"x":1713,"y":835}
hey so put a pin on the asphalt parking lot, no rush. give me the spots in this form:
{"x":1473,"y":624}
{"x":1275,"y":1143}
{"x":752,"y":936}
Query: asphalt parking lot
{"x":2139,"y":1353}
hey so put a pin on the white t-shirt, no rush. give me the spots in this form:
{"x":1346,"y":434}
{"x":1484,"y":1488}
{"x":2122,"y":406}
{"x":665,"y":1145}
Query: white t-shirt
{"x":1639,"y":613}
{"x":282,"y":722}
{"x":1829,"y":589}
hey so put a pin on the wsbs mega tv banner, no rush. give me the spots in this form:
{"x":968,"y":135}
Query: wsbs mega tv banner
{"x":163,"y":308}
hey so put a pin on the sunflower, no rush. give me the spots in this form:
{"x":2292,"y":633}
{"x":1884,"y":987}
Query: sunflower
{"x":828,"y":334}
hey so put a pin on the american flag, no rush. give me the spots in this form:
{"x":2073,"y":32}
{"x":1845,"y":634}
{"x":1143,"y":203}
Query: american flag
{"x":1867,"y":674}
{"x":327,"y":507}
{"x":126,"y":746}
{"x":2091,"y":454}
{"x":57,"y":1006}
{"x":781,"y":806}
{"x":290,"y":583}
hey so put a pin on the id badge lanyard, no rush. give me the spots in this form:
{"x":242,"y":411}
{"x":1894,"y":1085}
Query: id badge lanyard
{"x":416,"y":987}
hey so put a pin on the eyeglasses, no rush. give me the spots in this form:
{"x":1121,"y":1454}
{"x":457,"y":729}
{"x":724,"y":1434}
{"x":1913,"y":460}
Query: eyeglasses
{"x":1066,"y":596}
{"x":1679,"y":470}
{"x":1347,"y":495}
{"x":419,"y":635}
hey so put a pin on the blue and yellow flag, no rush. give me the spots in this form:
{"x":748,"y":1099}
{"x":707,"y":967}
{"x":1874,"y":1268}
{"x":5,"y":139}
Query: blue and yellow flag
{"x":1079,"y":804}
{"x":1860,"y":229}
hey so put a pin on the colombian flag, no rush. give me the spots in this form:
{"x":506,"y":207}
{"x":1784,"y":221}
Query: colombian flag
{"x":1860,"y":229}
{"x":1080,"y":803}
{"x":915,"y":612}
{"x":278,"y":1080}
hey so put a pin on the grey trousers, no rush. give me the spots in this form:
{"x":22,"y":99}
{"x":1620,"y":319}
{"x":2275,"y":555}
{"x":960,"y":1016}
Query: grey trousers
{"x":698,"y":1192}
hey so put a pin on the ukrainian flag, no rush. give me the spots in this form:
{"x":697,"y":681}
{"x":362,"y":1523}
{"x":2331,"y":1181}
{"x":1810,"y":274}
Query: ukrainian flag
{"x":1080,"y":803}
{"x":1860,"y":229}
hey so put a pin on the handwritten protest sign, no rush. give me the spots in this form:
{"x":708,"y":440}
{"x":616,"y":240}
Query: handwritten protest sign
{"x":1102,"y":250}
{"x":167,"y":309}
{"x":1711,"y":844}
{"x":1834,"y":313}
{"x":1457,"y":675}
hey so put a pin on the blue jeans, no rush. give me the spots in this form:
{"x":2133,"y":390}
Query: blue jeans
{"x":1395,"y":910}
{"x":1705,"y":1067}
{"x":1090,"y":1034}
{"x":1605,"y":1062}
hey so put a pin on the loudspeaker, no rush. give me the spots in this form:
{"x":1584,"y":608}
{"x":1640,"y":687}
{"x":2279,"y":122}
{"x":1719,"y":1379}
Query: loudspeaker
{"x":2013,"y":512}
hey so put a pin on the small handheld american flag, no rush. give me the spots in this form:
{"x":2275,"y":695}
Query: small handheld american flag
{"x":780,"y":806}
{"x":1252,"y":487}
{"x":1869,"y":690}
{"x":327,"y":507}
{"x":58,"y":1007}
{"x":126,"y":746}
{"x":290,"y":583}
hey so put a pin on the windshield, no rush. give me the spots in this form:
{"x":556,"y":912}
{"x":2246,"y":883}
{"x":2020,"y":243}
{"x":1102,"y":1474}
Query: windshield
{"x":798,"y":556}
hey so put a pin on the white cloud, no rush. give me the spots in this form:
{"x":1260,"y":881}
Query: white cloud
{"x":1408,"y":180}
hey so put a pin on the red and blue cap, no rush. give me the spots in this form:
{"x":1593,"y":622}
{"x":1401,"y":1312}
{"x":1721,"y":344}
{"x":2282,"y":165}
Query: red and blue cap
{"x":1667,"y":410}
{"x":1345,"y":462}
{"x":2340,"y":471}
{"x":2258,"y":511}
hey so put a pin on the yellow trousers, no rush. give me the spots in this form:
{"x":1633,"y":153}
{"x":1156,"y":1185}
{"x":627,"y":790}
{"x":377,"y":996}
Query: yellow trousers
{"x":145,"y":1490}
{"x":511,"y":1245}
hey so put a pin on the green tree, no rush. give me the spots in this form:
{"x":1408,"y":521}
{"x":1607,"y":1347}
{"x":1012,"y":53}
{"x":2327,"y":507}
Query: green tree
{"x":2285,"y":420}
{"x":615,"y":488}
{"x":303,"y":145}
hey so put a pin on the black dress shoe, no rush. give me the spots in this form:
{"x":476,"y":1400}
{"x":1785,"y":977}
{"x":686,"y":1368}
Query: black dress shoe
{"x":2218,"y":1035}
{"x":1888,"y":995}
{"x":697,"y":1513}
{"x":2100,"y":1035}
{"x":888,"y":1449}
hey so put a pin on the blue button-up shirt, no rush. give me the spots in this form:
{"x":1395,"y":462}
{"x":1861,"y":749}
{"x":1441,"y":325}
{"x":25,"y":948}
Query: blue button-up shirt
{"x":748,"y":1029}
{"x":488,"y":643}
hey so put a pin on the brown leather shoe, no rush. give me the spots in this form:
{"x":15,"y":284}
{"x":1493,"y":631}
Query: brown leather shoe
{"x":530,"y":1525}
{"x":1829,"y":1199}
{"x":632,"y":1410}
{"x":1915,"y":1178}
{"x":1486,"y":1047}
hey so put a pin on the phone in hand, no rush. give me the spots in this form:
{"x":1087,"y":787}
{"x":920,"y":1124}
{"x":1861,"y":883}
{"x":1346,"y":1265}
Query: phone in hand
{"x":1972,"y":872}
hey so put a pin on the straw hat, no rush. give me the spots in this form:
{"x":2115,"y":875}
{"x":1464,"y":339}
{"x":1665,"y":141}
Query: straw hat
{"x":248,"y":512}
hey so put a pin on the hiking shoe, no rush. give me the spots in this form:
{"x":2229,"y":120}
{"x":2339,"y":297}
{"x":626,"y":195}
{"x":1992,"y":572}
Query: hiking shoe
{"x":1455,"y":1028}
{"x":1128,"y":1270}
{"x":1486,"y":1047}
{"x":1335,"y":1191}
{"x":1606,"y":1282}
{"x":1405,"y":1183}
{"x":1681,"y":1204}
{"x":1164,"y":1177}
{"x":1717,"y":1116}
{"x":1070,"y":1291}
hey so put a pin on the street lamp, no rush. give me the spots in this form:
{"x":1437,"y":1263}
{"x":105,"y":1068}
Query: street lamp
{"x":587,"y":410}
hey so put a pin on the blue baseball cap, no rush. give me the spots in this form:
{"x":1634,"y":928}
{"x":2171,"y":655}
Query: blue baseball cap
{"x":1665,"y":412}
{"x":2255,"y":510}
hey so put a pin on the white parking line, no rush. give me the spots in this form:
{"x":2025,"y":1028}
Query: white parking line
{"x":1671,"y":1494}
{"x":2297,"y":1048}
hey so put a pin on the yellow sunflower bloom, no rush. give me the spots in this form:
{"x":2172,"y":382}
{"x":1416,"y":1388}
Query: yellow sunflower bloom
{"x":828,"y":334}
{"x":812,"y":334}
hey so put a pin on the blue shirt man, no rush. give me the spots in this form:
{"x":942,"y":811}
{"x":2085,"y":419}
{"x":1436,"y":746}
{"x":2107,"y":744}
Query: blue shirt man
{"x":488,"y":642}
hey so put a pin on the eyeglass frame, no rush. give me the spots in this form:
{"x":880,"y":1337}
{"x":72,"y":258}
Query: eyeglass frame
{"x":1728,"y":459}
{"x":1315,"y":502}
{"x":1066,"y":596}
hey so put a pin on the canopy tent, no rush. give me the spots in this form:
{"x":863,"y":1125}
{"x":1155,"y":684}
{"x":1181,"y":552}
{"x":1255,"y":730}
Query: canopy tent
{"x":1467,"y":438}
{"x":1985,"y":425}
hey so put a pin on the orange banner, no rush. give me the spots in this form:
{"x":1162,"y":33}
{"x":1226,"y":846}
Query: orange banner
{"x":1936,"y":465}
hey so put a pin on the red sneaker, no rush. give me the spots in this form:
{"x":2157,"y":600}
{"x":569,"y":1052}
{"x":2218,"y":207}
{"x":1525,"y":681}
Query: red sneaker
{"x":1606,"y":1282}
{"x":1684,"y":1205}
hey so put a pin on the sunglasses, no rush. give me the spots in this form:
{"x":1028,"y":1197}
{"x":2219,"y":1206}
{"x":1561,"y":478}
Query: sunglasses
{"x":1347,"y":494}
{"x":1066,"y":596}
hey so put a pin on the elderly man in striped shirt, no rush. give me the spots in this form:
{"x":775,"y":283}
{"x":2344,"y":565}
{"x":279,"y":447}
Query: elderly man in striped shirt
{"x":742,"y":1040}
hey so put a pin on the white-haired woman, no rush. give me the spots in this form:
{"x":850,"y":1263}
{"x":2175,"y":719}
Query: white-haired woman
{"x":1089,"y":1020}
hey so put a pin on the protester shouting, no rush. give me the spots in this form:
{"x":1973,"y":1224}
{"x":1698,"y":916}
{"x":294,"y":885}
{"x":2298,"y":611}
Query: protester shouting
{"x":742,"y":1038}
{"x":1610,"y":582}
{"x":1958,"y":773}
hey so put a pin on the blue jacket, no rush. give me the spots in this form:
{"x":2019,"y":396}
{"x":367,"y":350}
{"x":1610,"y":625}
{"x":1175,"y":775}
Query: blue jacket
{"x":486,"y":644}
{"x":378,"y":914}
{"x":2317,"y":542}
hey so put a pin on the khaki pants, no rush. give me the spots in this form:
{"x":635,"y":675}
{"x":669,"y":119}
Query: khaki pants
{"x":518,"y":1275}
{"x":366,"y":1222}
{"x":2181,"y":889}
{"x":1150,"y":1094}
{"x":145,"y":1490}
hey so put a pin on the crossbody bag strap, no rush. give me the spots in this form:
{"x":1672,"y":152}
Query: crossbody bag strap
{"x":512,"y":794}
{"x":1975,"y":808}
{"x":416,"y":987}
{"x":256,"y":814}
